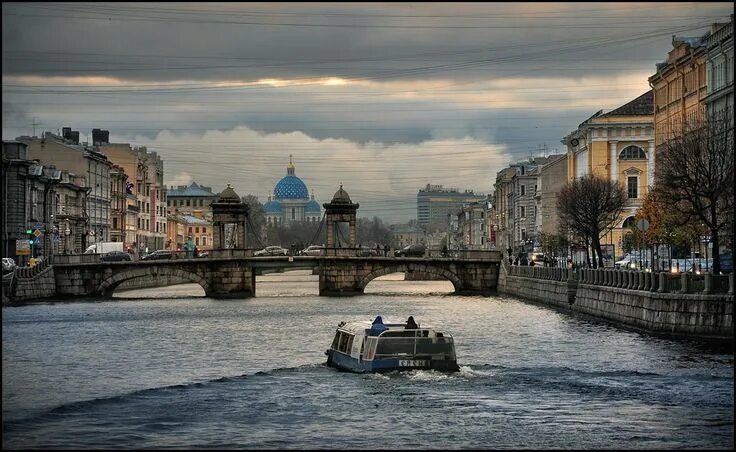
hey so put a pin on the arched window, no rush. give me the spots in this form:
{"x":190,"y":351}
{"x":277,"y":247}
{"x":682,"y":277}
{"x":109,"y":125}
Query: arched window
{"x":632,"y":153}
{"x":629,"y":222}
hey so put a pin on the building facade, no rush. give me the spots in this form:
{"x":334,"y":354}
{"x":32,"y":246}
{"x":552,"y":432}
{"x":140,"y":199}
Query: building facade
{"x":552,"y":176}
{"x":680,"y":88}
{"x":471,"y":232}
{"x":618,"y":146}
{"x":67,"y":154}
{"x":192,"y":199}
{"x":71,"y":213}
{"x":435,"y":203}
{"x":719,"y":69}
{"x":291,"y":202}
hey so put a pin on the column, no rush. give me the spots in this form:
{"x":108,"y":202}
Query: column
{"x":614,"y":160}
{"x":650,"y":164}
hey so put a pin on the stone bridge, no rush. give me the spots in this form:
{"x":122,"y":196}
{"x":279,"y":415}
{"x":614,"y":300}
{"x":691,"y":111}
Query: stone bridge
{"x":236,"y":276}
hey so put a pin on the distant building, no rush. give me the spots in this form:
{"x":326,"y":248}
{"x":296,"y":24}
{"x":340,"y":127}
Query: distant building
{"x":291,"y":202}
{"x":192,"y":199}
{"x":405,"y":234}
{"x":435,"y":203}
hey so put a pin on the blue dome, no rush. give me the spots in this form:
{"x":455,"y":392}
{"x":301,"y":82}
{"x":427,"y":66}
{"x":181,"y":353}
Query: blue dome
{"x":291,"y":187}
{"x":312,"y":206}
{"x":272,"y":207}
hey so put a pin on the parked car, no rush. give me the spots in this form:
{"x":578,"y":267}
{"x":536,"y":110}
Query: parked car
{"x":366,"y":251}
{"x":115,"y":256}
{"x":8,"y":265}
{"x":313,"y":250}
{"x":273,"y":250}
{"x":203,"y":254}
{"x":416,"y":250}
{"x":157,"y":255}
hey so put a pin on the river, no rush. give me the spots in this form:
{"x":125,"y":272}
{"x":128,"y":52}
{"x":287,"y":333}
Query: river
{"x":184,"y":371}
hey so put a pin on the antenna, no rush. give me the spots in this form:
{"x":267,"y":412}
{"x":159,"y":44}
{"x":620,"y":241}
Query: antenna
{"x":34,"y":126}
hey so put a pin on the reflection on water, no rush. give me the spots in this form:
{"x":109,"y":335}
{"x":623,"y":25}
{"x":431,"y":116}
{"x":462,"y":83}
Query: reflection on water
{"x":298,"y":283}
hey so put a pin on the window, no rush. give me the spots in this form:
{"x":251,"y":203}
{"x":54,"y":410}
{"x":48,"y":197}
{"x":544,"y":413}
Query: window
{"x":523,"y":234}
{"x":629,"y":222}
{"x":522,"y":211}
{"x":633,"y":187}
{"x":188,"y":202}
{"x":293,"y":213}
{"x":523,"y":190}
{"x":196,"y":241}
{"x":632,"y":153}
{"x":204,"y":229}
{"x":201,"y":202}
{"x":204,"y":240}
{"x":190,"y":230}
{"x":196,"y":229}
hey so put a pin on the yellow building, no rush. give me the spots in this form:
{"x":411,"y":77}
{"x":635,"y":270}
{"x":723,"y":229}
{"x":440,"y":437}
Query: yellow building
{"x":679,"y":88}
{"x":619,"y":146}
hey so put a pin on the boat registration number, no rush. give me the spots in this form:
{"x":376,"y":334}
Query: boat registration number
{"x":413,"y":362}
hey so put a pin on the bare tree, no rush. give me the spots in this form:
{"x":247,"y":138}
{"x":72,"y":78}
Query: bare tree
{"x":588,"y":206}
{"x":695,"y":176}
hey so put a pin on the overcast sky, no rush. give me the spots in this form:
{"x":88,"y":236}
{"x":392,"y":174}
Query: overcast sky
{"x":382,"y":97}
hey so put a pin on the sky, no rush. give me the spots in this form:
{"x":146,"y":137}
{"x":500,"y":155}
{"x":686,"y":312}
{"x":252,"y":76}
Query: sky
{"x":383,"y":98}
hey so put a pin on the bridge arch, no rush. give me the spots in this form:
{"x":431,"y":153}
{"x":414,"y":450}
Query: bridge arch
{"x":396,"y":268}
{"x":108,"y":285}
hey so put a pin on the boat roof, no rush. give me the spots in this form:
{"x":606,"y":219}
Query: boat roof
{"x":359,"y":327}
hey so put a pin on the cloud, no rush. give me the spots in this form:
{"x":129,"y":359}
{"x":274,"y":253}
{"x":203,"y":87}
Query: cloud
{"x":384,"y":179}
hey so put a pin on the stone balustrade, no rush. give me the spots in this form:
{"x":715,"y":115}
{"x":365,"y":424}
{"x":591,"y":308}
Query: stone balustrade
{"x":661,"y":282}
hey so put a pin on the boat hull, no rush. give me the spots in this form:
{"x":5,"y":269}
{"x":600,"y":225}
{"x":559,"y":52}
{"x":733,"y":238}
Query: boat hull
{"x":348,"y":363}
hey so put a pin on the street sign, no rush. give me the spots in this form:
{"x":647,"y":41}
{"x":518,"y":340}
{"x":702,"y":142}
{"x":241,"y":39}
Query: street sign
{"x":37,"y":233}
{"x":642,"y":224}
{"x":22,"y":247}
{"x":38,"y":226}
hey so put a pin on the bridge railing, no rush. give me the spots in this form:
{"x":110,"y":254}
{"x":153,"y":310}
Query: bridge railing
{"x":75,"y":258}
{"x":463,"y":254}
{"x":231,"y":252}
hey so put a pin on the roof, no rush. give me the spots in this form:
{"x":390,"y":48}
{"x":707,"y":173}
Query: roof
{"x":193,"y":190}
{"x":341,"y":196}
{"x":191,"y":219}
{"x":642,"y":105}
{"x":228,"y":195}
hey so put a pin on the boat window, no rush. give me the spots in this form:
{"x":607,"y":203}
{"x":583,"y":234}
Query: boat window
{"x":343,"y":346}
{"x":350,"y":344}
{"x":336,"y":340}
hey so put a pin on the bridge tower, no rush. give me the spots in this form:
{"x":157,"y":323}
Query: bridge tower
{"x":229,"y":209}
{"x":340,"y":210}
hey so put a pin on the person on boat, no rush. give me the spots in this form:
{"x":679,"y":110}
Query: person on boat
{"x":411,"y":324}
{"x":378,"y":327}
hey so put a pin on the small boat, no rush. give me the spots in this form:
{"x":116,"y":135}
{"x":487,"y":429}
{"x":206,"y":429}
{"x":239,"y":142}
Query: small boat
{"x":359,"y":348}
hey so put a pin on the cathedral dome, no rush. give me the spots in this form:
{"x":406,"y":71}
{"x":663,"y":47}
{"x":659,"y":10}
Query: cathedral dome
{"x":272,"y":206}
{"x":312,"y":206}
{"x":291,"y":187}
